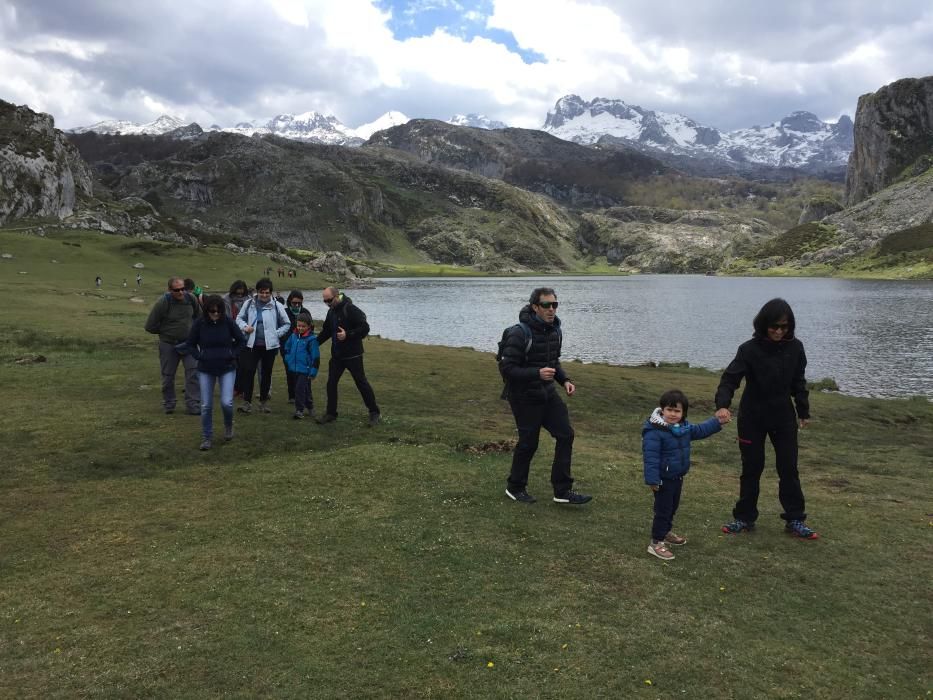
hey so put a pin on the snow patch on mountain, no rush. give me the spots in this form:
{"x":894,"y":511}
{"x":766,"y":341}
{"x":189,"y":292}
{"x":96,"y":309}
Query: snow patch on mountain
{"x":478,"y":121}
{"x":160,"y":125}
{"x":386,"y":121}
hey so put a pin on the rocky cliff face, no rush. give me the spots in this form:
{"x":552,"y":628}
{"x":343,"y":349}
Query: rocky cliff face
{"x":893,"y":137}
{"x":41,"y":173}
{"x":656,"y":240}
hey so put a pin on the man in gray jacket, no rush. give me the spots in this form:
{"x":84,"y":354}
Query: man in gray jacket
{"x":171,"y":318}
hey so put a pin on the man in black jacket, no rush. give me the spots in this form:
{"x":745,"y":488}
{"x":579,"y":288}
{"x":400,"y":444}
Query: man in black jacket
{"x":345,"y":326}
{"x":532,"y":370}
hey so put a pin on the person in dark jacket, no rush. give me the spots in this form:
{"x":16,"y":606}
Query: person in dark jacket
{"x":294,"y":305}
{"x":345,"y":326}
{"x":665,"y":445}
{"x":215,"y":341}
{"x":171,"y":318}
{"x":531,"y":379}
{"x":775,"y":401}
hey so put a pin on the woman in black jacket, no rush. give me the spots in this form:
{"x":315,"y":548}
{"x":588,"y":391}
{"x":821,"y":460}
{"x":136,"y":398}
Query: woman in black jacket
{"x":773,"y":364}
{"x":215,"y":340}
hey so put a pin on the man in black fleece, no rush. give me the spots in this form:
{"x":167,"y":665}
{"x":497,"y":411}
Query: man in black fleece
{"x":532,"y":373}
{"x":345,"y":326}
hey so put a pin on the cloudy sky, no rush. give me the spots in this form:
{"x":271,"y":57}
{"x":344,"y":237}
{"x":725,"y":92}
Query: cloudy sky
{"x":725,"y":64}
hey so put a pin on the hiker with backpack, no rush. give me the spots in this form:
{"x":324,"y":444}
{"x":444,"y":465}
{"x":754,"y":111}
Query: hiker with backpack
{"x":529,"y":361}
{"x":171,"y":318}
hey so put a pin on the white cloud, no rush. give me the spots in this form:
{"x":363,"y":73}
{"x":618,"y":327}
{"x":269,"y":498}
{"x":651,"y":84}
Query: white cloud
{"x":722,"y":63}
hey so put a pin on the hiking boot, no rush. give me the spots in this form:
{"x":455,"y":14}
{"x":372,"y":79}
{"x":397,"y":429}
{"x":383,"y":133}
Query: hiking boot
{"x":374,"y":418}
{"x":660,"y":550}
{"x":573,"y":498}
{"x":228,"y":433}
{"x":736,"y":526}
{"x":522,"y":496}
{"x":326,"y":418}
{"x":169,"y":410}
{"x":264,"y":407}
{"x":675,"y":539}
{"x":299,"y":415}
{"x":799,"y":529}
{"x":205,"y":444}
{"x":246,"y":408}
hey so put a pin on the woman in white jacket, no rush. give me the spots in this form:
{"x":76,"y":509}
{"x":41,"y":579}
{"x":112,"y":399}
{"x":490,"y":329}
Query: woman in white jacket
{"x":264,"y":322}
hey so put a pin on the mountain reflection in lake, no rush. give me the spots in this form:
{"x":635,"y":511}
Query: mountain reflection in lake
{"x":875,"y":338}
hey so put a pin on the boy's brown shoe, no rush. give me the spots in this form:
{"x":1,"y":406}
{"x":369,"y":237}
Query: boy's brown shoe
{"x":660,"y":550}
{"x":675,"y":539}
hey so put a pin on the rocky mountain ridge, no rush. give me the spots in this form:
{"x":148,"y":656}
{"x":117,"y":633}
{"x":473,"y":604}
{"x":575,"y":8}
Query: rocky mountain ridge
{"x":799,"y":141}
{"x":308,"y":126}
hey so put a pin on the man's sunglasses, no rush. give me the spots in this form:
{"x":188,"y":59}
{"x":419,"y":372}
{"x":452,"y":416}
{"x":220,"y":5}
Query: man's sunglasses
{"x":548,"y":304}
{"x":328,"y":301}
{"x":176,"y":289}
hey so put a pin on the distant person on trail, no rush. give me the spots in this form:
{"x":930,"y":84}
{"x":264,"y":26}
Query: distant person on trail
{"x":345,"y":326}
{"x":215,"y":341}
{"x":264,"y":322}
{"x":139,"y":279}
{"x":98,"y":281}
{"x":532,"y":371}
{"x":294,"y":305}
{"x":302,"y":358}
{"x":124,"y":281}
{"x":665,"y":445}
{"x":171,"y":318}
{"x":773,"y":364}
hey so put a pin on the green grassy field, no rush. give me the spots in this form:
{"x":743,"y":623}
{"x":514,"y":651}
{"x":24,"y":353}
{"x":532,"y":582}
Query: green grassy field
{"x":346,"y":562}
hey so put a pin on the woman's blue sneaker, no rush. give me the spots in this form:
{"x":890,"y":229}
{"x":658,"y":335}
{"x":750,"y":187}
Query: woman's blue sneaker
{"x":737,"y":526}
{"x":799,"y":529}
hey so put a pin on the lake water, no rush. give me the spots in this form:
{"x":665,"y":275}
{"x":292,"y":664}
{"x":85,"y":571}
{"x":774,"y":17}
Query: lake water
{"x":875,"y":338}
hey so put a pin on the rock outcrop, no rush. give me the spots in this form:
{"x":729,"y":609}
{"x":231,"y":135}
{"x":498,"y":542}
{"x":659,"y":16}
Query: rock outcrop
{"x":656,"y":240}
{"x":41,"y":173}
{"x":893,"y":137}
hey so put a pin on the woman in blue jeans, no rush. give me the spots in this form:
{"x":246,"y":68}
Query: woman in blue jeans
{"x":215,"y":341}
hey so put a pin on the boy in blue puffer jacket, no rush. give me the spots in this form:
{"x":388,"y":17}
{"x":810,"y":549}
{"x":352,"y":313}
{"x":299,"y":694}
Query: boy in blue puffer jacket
{"x":665,"y":444}
{"x":302,"y":358}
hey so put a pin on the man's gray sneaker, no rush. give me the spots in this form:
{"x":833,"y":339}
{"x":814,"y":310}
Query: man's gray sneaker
{"x":228,"y":433}
{"x":573,"y":498}
{"x":246,"y":408}
{"x":521,"y":496}
{"x":264,"y":407}
{"x":205,"y":444}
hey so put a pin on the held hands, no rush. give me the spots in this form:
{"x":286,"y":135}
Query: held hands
{"x":724,"y":415}
{"x":654,"y":487}
{"x":248,"y":330}
{"x":341,"y":334}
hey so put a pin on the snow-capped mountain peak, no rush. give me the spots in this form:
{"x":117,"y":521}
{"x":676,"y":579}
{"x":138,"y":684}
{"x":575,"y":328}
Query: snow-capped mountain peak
{"x":479,"y":121}
{"x":386,"y":121}
{"x":161,"y":125}
{"x":799,"y":140}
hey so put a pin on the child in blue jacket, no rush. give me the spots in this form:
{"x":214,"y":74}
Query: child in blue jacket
{"x":302,"y":358}
{"x":665,"y":443}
